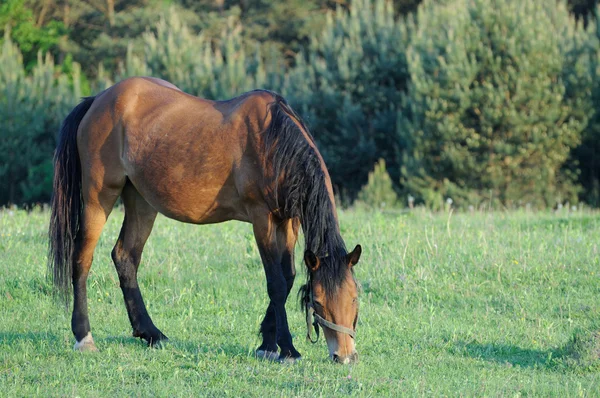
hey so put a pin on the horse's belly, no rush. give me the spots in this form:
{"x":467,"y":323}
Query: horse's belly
{"x":191,"y":192}
{"x":197,"y":202}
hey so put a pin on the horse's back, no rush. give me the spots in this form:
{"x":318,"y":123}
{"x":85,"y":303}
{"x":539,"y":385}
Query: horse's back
{"x":193,"y":160}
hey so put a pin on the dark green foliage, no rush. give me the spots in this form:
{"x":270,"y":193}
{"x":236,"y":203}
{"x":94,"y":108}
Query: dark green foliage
{"x":100,"y":34}
{"x":31,"y":110}
{"x":475,"y":100}
{"x":348,"y":86}
{"x":583,"y":9}
{"x":406,"y":6}
{"x":587,"y":155}
{"x":488,"y":116}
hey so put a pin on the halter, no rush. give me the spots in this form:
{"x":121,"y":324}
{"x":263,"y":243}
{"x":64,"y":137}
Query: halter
{"x":319,"y":320}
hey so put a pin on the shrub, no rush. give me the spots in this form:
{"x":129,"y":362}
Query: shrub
{"x":378,"y":192}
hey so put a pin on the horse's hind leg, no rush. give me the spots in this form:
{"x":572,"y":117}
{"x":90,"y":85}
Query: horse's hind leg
{"x":127,"y":253}
{"x":96,"y":209}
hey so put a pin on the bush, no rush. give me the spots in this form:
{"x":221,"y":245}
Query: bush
{"x":378,"y":193}
{"x":488,"y":114}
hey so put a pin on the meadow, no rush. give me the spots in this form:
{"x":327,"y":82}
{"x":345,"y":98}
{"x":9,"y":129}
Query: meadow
{"x":465,"y":304}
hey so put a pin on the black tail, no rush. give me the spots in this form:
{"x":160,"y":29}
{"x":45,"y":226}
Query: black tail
{"x":66,"y":201}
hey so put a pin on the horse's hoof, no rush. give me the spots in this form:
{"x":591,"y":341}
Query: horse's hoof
{"x":159,"y":343}
{"x":267,"y":355}
{"x":289,"y":360}
{"x":86,"y":344}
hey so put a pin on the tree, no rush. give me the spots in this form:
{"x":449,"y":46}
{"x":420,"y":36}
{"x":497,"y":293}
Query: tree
{"x":32,"y":34}
{"x":348,"y":86}
{"x":31,"y":110}
{"x":583,"y":9}
{"x":585,"y":158}
{"x":488,"y":114}
{"x":211,"y":68}
{"x":378,"y":193}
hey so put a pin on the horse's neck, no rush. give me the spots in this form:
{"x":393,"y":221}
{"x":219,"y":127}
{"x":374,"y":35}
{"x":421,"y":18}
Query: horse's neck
{"x":322,"y":231}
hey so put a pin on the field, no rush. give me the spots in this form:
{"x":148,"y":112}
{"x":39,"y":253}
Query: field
{"x":482,"y":304}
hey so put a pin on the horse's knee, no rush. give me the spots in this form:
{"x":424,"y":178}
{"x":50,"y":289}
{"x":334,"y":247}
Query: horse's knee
{"x":277,"y":292}
{"x":117,"y":253}
{"x":125,"y":262}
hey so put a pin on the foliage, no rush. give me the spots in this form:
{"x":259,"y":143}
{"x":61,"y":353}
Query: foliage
{"x":17,"y":18}
{"x":193,"y":63}
{"x":586,"y":156}
{"x":31,"y":110}
{"x":466,"y":99}
{"x":378,"y":192}
{"x":347,"y":87}
{"x":584,"y":9}
{"x":488,"y":115}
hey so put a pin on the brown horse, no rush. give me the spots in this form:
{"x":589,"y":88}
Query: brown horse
{"x":250,"y":159}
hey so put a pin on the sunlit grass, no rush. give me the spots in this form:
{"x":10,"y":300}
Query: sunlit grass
{"x":463,"y":304}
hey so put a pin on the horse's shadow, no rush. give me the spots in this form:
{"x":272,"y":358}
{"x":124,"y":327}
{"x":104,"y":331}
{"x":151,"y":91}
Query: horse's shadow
{"x":509,"y":355}
{"x":512,"y":355}
{"x":186,"y":347}
{"x":195,"y":347}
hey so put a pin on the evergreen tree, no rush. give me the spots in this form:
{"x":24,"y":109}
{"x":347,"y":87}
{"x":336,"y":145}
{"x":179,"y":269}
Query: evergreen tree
{"x":378,"y":193}
{"x":31,"y":110}
{"x":488,"y":114}
{"x":199,"y":66}
{"x":586,"y":157}
{"x":348,"y":86}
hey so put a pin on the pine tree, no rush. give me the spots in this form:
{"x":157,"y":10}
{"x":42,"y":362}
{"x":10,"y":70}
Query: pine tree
{"x":378,"y":193}
{"x":31,"y":110}
{"x":586,"y":157}
{"x":488,"y":114}
{"x":348,"y":86}
{"x":198,"y":65}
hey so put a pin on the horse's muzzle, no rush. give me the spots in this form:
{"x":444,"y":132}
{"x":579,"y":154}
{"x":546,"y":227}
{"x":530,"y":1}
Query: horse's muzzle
{"x":352,"y":358}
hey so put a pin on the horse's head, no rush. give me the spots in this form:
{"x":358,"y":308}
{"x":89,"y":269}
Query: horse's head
{"x":334,"y":307}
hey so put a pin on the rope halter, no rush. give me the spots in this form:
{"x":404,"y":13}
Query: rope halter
{"x":313,"y":320}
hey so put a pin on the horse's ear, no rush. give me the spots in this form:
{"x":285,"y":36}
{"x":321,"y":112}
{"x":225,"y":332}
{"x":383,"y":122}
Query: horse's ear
{"x":312,"y":261}
{"x":353,"y":257}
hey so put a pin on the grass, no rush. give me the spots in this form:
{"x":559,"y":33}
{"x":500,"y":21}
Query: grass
{"x":483,"y":304}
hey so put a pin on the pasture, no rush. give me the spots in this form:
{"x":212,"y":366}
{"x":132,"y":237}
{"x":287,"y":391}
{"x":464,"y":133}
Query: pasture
{"x":482,"y":304}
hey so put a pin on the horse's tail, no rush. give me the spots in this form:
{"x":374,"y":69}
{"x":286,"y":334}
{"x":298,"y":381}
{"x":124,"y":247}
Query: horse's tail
{"x":67,"y":205}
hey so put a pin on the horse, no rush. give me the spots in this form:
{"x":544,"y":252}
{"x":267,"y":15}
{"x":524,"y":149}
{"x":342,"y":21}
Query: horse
{"x":250,"y":158}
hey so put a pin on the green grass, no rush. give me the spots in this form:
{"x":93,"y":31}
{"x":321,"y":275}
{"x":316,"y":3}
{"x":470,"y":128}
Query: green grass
{"x":484,"y":304}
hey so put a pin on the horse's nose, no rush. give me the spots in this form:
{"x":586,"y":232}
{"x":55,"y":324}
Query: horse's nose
{"x":352,"y":358}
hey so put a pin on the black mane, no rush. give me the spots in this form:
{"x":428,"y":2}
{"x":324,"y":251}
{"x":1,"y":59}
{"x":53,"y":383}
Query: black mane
{"x":301,"y":191}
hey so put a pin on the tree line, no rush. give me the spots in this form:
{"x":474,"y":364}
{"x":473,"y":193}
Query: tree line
{"x":468,"y":100}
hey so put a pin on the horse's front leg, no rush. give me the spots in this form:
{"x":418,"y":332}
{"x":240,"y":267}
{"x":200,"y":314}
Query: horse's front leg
{"x":287,"y":234}
{"x":272,"y":253}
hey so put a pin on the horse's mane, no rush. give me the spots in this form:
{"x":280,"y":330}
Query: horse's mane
{"x":300,"y":191}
